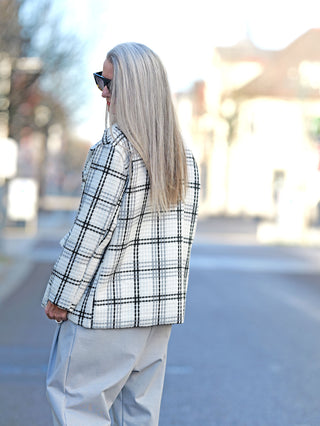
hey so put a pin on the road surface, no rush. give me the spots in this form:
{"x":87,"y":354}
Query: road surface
{"x":247,"y":355}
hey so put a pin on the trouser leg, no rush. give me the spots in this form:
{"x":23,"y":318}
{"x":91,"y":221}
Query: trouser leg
{"x":139,"y":400}
{"x":88,"y":369}
{"x":54,"y":393}
{"x":84,"y":377}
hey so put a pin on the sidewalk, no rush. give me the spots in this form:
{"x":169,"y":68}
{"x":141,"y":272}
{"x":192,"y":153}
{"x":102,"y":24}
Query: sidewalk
{"x":227,"y":230}
{"x":19,"y":250}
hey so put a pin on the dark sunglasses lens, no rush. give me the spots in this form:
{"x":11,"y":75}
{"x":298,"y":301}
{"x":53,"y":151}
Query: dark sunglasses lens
{"x":99,"y":82}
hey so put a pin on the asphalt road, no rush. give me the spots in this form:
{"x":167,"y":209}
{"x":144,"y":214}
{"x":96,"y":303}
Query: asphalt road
{"x":247,"y":355}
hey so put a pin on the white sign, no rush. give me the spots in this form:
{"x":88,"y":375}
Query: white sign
{"x":8,"y":158}
{"x":22,"y":199}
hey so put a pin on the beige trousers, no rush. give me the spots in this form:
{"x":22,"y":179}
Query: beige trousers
{"x":91,"y":372}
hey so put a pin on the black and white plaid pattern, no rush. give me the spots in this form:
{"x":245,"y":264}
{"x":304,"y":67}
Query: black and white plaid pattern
{"x":123,"y":265}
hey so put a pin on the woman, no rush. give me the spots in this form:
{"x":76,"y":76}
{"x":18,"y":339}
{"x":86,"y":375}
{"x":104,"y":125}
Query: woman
{"x":121,"y":278}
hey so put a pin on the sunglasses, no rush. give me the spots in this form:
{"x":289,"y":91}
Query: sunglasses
{"x":101,"y":81}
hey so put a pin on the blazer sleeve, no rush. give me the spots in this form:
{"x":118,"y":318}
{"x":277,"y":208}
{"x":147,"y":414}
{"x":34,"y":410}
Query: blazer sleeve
{"x":95,"y":222}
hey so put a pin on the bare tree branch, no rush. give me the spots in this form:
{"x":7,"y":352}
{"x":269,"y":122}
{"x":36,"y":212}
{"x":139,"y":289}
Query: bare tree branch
{"x":33,"y":29}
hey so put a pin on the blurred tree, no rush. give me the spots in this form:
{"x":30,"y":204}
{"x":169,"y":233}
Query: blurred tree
{"x":31,"y":29}
{"x":58,"y":47}
{"x":10,"y":28}
{"x":44,"y":62}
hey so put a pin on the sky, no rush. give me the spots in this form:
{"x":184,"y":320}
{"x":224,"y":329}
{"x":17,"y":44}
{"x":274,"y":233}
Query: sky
{"x":182,"y":32}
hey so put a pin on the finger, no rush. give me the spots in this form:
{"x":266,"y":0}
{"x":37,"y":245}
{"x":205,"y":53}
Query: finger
{"x":51,"y":314}
{"x":48,"y":309}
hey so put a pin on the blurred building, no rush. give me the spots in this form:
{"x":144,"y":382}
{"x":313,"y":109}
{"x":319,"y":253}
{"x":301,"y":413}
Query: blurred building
{"x":38,"y":155}
{"x":255,"y":128}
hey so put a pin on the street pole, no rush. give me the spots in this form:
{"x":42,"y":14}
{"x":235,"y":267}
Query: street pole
{"x":5,"y":87}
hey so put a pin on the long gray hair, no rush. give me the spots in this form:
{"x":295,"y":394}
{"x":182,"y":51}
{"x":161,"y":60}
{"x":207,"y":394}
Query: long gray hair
{"x":142,"y":106}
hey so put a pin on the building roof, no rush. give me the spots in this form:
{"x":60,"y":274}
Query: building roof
{"x":244,"y":51}
{"x":281,"y":76}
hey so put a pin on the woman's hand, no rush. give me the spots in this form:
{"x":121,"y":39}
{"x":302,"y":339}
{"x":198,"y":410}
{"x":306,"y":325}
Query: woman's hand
{"x":55,"y":313}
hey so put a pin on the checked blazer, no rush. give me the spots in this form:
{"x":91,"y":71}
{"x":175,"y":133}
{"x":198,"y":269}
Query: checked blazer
{"x":123,"y":265}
